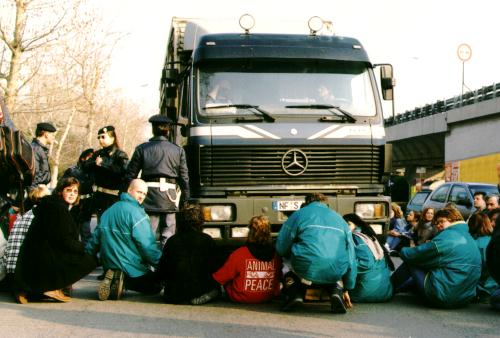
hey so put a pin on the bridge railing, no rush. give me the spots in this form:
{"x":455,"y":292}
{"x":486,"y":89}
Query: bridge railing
{"x":468,"y":98}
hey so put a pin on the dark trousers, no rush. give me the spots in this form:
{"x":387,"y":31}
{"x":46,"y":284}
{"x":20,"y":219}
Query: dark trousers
{"x":146,"y":284}
{"x":407,"y":278}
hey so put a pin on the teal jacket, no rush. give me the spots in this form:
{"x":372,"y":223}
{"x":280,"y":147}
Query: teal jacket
{"x":319,"y":244}
{"x":486,"y":283}
{"x":453,"y":264}
{"x":373,"y":283}
{"x":124,"y":239}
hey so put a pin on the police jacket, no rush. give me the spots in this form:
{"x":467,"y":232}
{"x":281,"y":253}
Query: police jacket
{"x":453,"y":264}
{"x":157,"y":159}
{"x":110,"y":174}
{"x":42,"y":167}
{"x":319,"y":244}
{"x":124,"y":238}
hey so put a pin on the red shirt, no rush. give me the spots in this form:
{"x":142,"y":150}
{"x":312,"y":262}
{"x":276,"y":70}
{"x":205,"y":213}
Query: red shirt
{"x":249,"y":280}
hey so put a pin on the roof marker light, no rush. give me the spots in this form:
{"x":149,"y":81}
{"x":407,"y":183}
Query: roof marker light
{"x":315,"y":24}
{"x":247,"y":22}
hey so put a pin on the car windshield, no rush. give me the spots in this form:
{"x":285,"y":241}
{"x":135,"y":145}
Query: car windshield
{"x":285,"y":88}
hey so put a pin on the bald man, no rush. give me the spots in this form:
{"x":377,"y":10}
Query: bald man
{"x":126,"y":245}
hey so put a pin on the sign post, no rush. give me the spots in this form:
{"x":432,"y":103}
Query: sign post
{"x":464,"y":53}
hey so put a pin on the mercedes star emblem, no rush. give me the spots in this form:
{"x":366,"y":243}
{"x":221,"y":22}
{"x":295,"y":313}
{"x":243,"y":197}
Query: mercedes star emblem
{"x":294,"y":162}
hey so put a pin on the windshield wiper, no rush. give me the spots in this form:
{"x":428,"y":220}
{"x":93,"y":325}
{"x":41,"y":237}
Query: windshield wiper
{"x":256,"y":110}
{"x":345,"y":114}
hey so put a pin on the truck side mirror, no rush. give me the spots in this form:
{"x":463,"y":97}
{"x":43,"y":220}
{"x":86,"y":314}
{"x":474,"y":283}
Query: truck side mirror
{"x":387,"y":81}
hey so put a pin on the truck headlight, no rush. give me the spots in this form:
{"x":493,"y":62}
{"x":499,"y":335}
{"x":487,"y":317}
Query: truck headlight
{"x":218,"y":213}
{"x":369,"y":210}
{"x":213,"y":232}
{"x":239,"y":232}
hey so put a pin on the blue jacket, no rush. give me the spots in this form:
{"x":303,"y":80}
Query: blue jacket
{"x":319,"y":243}
{"x":124,"y":238}
{"x":373,"y":283}
{"x":486,"y":283}
{"x":453,"y":264}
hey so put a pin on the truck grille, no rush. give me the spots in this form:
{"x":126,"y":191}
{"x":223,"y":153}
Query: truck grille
{"x":262,"y":165}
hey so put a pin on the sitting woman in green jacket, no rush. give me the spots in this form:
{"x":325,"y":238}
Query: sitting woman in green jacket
{"x":480,"y":228}
{"x":373,"y":282}
{"x":446,"y":269}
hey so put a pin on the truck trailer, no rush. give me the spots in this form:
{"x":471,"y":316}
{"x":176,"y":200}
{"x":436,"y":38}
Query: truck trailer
{"x":266,"y":118}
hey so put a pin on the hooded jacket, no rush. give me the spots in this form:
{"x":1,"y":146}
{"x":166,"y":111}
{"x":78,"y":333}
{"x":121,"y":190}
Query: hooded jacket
{"x":319,"y":244}
{"x":453,"y":264}
{"x":124,"y":238}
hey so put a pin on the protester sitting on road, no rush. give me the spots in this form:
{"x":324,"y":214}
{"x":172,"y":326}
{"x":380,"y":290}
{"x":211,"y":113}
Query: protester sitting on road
{"x":373,"y":282}
{"x":425,"y":230}
{"x":188,"y":261}
{"x":446,"y":269}
{"x":18,"y":232}
{"x":252,"y":273}
{"x":51,"y":256}
{"x":399,"y":234}
{"x":126,"y":245}
{"x":412,"y":219}
{"x":86,"y":182}
{"x":317,"y":244}
{"x":481,"y":229}
{"x":493,"y":263}
{"x":493,"y":215}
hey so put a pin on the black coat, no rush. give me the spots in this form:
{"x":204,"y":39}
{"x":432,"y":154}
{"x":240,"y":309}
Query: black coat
{"x":51,"y":256}
{"x":109,"y":175}
{"x":186,"y":266}
{"x":156,"y":159}
{"x":42,"y":166}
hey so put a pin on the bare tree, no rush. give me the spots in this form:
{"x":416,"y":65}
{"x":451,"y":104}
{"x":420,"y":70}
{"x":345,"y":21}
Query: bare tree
{"x":26,"y":26}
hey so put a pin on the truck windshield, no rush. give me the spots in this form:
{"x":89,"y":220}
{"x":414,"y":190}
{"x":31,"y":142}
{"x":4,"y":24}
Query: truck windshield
{"x":284,"y":88}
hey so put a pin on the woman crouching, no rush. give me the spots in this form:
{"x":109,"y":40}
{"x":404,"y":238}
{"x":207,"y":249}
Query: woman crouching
{"x":51,"y":256}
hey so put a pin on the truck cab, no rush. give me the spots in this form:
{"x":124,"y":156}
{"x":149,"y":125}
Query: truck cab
{"x":268,"y":118}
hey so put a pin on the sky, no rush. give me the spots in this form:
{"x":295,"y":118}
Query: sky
{"x":419,"y":38}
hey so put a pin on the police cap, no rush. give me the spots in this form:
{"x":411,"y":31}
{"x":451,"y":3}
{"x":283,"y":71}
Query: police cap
{"x":45,"y":126}
{"x":105,"y":130}
{"x":160,"y":119}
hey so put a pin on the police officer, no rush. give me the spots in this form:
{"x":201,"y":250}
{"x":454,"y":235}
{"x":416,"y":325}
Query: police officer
{"x":164,"y":168}
{"x":108,"y":166}
{"x":44,"y":137}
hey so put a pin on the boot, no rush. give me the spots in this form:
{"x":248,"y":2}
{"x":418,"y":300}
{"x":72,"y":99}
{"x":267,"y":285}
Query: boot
{"x":103,"y":290}
{"x":293,"y":293}
{"x":337,"y":300}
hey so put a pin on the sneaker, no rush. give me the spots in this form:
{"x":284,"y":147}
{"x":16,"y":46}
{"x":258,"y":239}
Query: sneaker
{"x":116,"y":287}
{"x":291,"y":302}
{"x":205,"y":298}
{"x":103,"y":289}
{"x":337,"y":301}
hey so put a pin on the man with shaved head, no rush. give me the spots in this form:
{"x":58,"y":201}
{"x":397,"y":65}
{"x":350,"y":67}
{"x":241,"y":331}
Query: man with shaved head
{"x":126,"y":245}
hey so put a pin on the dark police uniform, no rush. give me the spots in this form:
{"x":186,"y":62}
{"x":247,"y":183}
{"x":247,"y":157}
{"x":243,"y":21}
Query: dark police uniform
{"x":164,"y":168}
{"x":108,"y":177}
{"x":41,"y":152}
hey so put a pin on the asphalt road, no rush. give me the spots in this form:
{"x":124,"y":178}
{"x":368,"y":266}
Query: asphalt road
{"x":137,"y":315}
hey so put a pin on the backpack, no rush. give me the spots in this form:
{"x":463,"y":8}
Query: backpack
{"x":17,"y":158}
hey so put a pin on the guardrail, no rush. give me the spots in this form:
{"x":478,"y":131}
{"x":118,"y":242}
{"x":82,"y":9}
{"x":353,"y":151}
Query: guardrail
{"x":472,"y":97}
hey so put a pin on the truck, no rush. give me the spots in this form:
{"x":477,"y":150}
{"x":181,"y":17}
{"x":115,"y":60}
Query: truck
{"x":267,"y":118}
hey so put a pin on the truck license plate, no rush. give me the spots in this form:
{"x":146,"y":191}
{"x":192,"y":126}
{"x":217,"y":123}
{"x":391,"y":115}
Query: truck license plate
{"x":287,"y":205}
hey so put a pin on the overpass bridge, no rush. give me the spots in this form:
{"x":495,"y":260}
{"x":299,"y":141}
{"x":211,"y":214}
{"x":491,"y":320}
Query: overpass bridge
{"x":460,"y":135}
